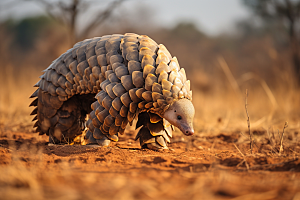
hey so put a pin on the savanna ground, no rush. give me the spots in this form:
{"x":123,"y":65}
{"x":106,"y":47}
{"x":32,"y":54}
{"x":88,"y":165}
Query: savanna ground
{"x":215,"y":163}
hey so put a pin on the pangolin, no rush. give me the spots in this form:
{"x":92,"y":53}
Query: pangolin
{"x":114,"y":79}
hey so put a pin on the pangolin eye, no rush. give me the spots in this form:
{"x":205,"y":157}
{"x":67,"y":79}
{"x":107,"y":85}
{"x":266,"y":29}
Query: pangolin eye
{"x":179,"y":117}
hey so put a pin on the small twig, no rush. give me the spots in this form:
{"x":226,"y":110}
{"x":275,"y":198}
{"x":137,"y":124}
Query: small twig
{"x":247,"y":166}
{"x":65,"y":139}
{"x":243,"y":135}
{"x":293,"y":151}
{"x":281,"y":139}
{"x":273,"y":135}
{"x":239,"y":150}
{"x":212,"y":146}
{"x":52,"y":138}
{"x":248,"y":121}
{"x":250,"y":75}
{"x":269,"y":135}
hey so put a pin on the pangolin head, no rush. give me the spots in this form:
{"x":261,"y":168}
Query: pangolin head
{"x":181,"y":114}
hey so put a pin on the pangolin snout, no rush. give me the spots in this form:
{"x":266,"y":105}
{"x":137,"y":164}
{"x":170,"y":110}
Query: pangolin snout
{"x":189,"y":132}
{"x":186,"y":130}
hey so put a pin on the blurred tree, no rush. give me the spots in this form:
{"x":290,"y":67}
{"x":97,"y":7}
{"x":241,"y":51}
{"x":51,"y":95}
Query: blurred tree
{"x":68,"y":12}
{"x":286,"y":12}
{"x":26,"y":31}
{"x":187,"y":30}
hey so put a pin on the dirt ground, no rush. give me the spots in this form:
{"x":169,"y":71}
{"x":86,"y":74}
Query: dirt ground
{"x":218,"y":166}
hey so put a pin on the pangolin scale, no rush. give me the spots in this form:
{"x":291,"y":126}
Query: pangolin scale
{"x":114,"y":79}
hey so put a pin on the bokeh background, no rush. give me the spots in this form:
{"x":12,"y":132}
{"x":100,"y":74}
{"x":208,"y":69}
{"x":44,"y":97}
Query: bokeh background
{"x":226,"y":47}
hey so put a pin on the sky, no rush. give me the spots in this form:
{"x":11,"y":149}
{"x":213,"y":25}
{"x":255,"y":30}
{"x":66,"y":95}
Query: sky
{"x":210,"y":16}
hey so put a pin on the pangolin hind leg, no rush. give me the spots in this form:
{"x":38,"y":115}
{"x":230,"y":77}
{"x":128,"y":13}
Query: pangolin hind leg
{"x":62,"y":121}
{"x":71,"y":119}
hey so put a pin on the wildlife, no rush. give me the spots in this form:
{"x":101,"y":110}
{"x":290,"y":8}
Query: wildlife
{"x":104,"y":83}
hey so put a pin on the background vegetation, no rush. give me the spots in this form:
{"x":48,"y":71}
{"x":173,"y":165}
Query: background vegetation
{"x":260,"y":55}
